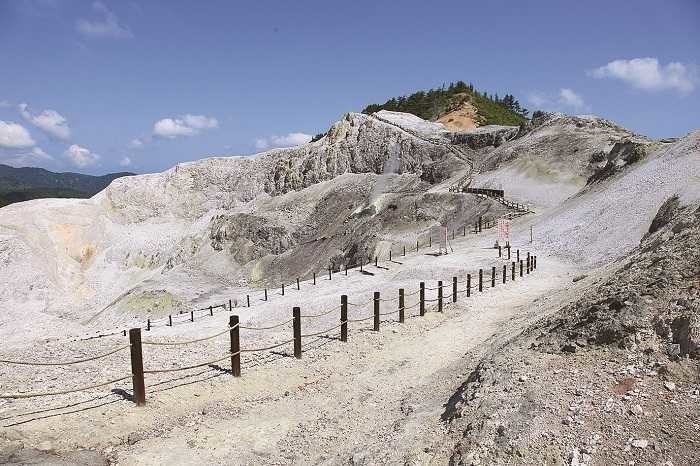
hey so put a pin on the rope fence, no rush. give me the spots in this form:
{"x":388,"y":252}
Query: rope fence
{"x":235,"y":351}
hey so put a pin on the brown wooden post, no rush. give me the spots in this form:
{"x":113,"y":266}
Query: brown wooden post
{"x":404,"y":250}
{"x":314,"y":278}
{"x":330,"y":273}
{"x":454,"y":289}
{"x":440,"y":296}
{"x":513,"y":271}
{"x":247,"y":299}
{"x":517,"y":255}
{"x":493,"y":276}
{"x":191,"y":316}
{"x":148,"y":324}
{"x":521,"y":268}
{"x":360,"y":265}
{"x":265,"y":294}
{"x":211,"y":311}
{"x":170,"y":320}
{"x":389,"y":255}
{"x":535,"y":261}
{"x":505,"y":271}
{"x":230,"y":306}
{"x":376,"y":261}
{"x":430,"y":241}
{"x":282,"y":289}
{"x":298,"y":284}
{"x":376,"y":311}
{"x":296,"y":314}
{"x":479,"y":224}
{"x":464,"y":230}
{"x":235,"y":346}
{"x":344,"y":318}
{"x":469,"y":285}
{"x":346,"y":269}
{"x":508,"y":251}
{"x":500,"y":254}
{"x":481,"y":280}
{"x":401,"y":305}
{"x":137,"y":367}
{"x":417,"y":245}
{"x":422,"y":298}
{"x":527,"y":265}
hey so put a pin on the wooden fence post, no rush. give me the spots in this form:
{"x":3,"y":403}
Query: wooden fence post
{"x":430,"y":241}
{"x":376,"y":311}
{"x":535,"y":261}
{"x":282,"y":289}
{"x":417,"y":245}
{"x":170,"y":320}
{"x":344,"y":318}
{"x":469,"y":285}
{"x":235,"y":346}
{"x":296,"y":314}
{"x":389,"y":255}
{"x":230,"y":307}
{"x":137,"y":367}
{"x":346,"y":269}
{"x":211,"y":311}
{"x":401,"y":305}
{"x":527,"y":265}
{"x":265,"y":294}
{"x":247,"y":299}
{"x":330,"y":273}
{"x":513,"y":271}
{"x":508,"y":251}
{"x":422,"y":298}
{"x":298,"y":283}
{"x":505,"y":271}
{"x":493,"y":276}
{"x":480,"y":224}
{"x":454,"y":289}
{"x":517,"y":255}
{"x":376,"y":261}
{"x":148,"y":324}
{"x":521,"y":267}
{"x":464,"y":230}
{"x":440,"y":296}
{"x":404,"y":250}
{"x":191,"y":316}
{"x":314,"y":278}
{"x":499,"y":251}
{"x":481,"y":280}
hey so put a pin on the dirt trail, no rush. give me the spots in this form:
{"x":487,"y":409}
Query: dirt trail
{"x":376,"y":399}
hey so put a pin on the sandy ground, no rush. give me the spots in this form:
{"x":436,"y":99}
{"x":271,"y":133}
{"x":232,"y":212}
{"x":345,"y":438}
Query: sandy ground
{"x":377,"y":397}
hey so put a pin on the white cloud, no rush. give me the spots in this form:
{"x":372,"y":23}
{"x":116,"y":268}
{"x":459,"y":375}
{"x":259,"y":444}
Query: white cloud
{"x":81,"y":156}
{"x":25,"y":158}
{"x":5,"y":104}
{"x":565,"y":100}
{"x":569,"y":98}
{"x":14,"y":136}
{"x":49,"y":121}
{"x":185,"y":125}
{"x":290,"y":140}
{"x":136,"y":143}
{"x":647,"y":74}
{"x":106,"y":24}
{"x":125,"y":162}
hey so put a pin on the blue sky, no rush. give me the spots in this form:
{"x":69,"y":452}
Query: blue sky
{"x":104,"y":86}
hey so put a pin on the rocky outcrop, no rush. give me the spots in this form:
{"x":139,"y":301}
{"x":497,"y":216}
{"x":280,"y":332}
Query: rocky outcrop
{"x":485,"y":136}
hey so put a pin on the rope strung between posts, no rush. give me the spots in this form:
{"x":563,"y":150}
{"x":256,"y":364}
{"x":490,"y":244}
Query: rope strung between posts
{"x":360,"y":305}
{"x":66,"y":363}
{"x":436,"y":288}
{"x":411,"y":306}
{"x":194,"y":366}
{"x":186,"y":342}
{"x":361,"y":320}
{"x":430,"y":300}
{"x":387,"y":299}
{"x":267,"y":328}
{"x":388,"y":313}
{"x":62,"y":392}
{"x":411,"y":294}
{"x":311,"y":316}
{"x":324,"y":331}
{"x":255,"y":350}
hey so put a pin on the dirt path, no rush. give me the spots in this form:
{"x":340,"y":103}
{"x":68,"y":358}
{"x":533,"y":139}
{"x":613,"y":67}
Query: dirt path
{"x":377,"y":398}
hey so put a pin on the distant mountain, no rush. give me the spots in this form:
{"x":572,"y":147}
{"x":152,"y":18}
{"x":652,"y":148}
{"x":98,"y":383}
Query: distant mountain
{"x":23,"y":184}
{"x":458,"y":106}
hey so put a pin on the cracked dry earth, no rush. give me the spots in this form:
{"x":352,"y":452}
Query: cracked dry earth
{"x":377,"y":399}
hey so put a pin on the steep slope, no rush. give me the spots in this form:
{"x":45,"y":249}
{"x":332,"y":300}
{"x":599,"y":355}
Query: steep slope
{"x":150,"y":243}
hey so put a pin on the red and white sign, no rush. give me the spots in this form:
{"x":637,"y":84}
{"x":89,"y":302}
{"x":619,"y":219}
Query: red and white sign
{"x":503,"y":230}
